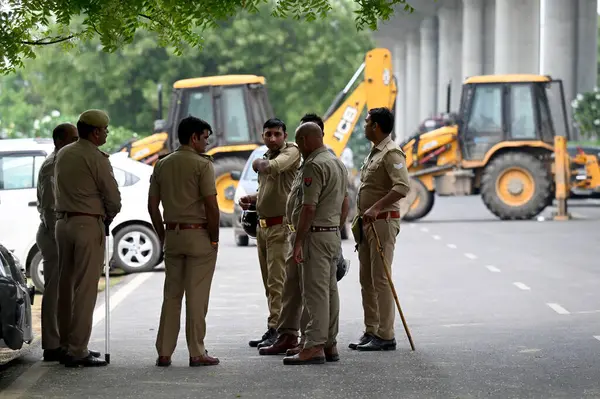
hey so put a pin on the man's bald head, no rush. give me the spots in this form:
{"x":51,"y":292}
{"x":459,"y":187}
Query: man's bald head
{"x":63,"y":134}
{"x":309,"y":129}
{"x":309,"y":137}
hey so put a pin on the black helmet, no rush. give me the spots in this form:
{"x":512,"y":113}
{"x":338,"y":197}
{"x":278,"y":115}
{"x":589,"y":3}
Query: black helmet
{"x":250,"y":222}
{"x":343,"y":265}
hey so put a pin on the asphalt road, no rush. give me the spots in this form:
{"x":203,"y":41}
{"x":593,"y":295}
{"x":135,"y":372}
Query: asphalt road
{"x":496,"y":309}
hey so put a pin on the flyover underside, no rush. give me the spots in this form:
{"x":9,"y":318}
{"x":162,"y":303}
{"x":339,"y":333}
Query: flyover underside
{"x":440,"y":45}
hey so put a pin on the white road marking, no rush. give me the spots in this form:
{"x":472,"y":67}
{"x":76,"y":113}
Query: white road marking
{"x":119,"y":296}
{"x":521,"y":286}
{"x":529,"y":350}
{"x":587,"y":311}
{"x":493,"y":269}
{"x":424,"y":229}
{"x":470,"y":255}
{"x":557,"y":308}
{"x":30,"y":377}
{"x":451,"y":246}
{"x":437,"y":237}
{"x":597,"y":337}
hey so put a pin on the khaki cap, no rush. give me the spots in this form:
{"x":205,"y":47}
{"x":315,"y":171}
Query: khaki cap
{"x":95,"y":117}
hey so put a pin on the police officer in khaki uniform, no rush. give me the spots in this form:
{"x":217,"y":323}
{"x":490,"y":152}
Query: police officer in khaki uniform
{"x":384,"y":181}
{"x":184,"y":181}
{"x":63,"y":134}
{"x":87,"y":199}
{"x":276,"y":172}
{"x":293,"y":316}
{"x":317,"y":243}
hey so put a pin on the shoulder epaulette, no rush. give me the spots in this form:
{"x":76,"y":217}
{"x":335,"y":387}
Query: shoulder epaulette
{"x":209,"y":157}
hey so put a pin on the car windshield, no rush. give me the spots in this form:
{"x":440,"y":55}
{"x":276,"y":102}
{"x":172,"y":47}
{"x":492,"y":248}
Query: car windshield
{"x":250,"y":174}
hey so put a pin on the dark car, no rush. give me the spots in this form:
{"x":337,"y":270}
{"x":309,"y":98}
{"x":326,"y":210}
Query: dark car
{"x":16,"y":299}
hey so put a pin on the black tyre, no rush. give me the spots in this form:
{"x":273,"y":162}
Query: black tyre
{"x":516,"y":186}
{"x":419,"y":201}
{"x":36,"y":271}
{"x":226,"y":186}
{"x":136,"y":249}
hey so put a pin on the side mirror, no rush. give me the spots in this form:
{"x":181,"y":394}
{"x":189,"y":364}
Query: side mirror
{"x":159,"y":125}
{"x":236,"y":175}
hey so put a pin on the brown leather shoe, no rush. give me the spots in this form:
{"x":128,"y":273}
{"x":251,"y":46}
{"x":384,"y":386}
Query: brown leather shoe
{"x":281,"y":344}
{"x":331,"y":353}
{"x":313,"y":355}
{"x":295,"y":350}
{"x":163,"y":361}
{"x":203,"y":361}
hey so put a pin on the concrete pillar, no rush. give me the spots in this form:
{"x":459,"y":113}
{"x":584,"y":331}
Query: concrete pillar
{"x":517,"y":32}
{"x":472,"y":43}
{"x":429,"y":65}
{"x":489,"y":31}
{"x":413,"y":81}
{"x":399,"y":58}
{"x":559,"y":43}
{"x":587,"y":54}
{"x":450,"y":54}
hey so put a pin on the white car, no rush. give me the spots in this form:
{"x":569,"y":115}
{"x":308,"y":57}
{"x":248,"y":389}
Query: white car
{"x":133,"y":244}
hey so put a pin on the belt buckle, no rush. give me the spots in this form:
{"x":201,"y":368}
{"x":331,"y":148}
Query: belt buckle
{"x":263,"y":223}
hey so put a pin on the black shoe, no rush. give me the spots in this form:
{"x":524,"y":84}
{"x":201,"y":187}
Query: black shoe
{"x":88,"y":361}
{"x":365,"y":339}
{"x":378,"y":344}
{"x":53,"y":355}
{"x":267,"y":342}
{"x":271,"y":333}
{"x":64,"y":357}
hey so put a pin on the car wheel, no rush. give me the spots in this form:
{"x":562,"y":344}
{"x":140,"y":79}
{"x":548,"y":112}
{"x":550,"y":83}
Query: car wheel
{"x":36,"y":271}
{"x":242,"y":240}
{"x":136,"y":249}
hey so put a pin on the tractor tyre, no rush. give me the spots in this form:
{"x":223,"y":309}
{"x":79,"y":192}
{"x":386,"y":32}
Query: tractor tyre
{"x":516,"y":186}
{"x":418,"y":203}
{"x":226,"y":186}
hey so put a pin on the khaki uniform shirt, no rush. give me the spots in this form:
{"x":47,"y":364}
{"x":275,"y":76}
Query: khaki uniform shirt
{"x":383,"y":170}
{"x":275,"y":182}
{"x":84,"y":181}
{"x":324,"y":184}
{"x":293,"y":204}
{"x":45,"y":193}
{"x":182,"y":180}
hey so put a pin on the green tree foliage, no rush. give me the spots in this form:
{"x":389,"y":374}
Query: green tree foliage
{"x":586,"y":114}
{"x":305,"y":64}
{"x":27,"y":24}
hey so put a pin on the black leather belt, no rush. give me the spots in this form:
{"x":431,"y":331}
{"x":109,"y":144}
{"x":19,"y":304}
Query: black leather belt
{"x":319,"y":229}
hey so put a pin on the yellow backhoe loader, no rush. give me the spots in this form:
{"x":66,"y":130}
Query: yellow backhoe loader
{"x":500,"y":145}
{"x":236,"y":106}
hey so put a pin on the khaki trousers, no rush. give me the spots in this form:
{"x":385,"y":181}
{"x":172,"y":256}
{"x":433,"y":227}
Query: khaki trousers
{"x":48,"y":248}
{"x":293,"y":315}
{"x":377,"y":298}
{"x":190,"y":264}
{"x":271,"y":243}
{"x":319,"y":287}
{"x":81,"y":243}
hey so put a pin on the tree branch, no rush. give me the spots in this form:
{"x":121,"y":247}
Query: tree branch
{"x":41,"y":42}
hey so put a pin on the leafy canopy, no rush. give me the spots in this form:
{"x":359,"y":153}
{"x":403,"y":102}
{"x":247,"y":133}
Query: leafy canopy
{"x":27,"y":24}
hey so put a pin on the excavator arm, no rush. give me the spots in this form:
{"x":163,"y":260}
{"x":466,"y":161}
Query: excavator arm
{"x":378,"y":89}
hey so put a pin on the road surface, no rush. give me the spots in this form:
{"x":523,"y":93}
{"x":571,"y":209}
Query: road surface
{"x":496,"y":309}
